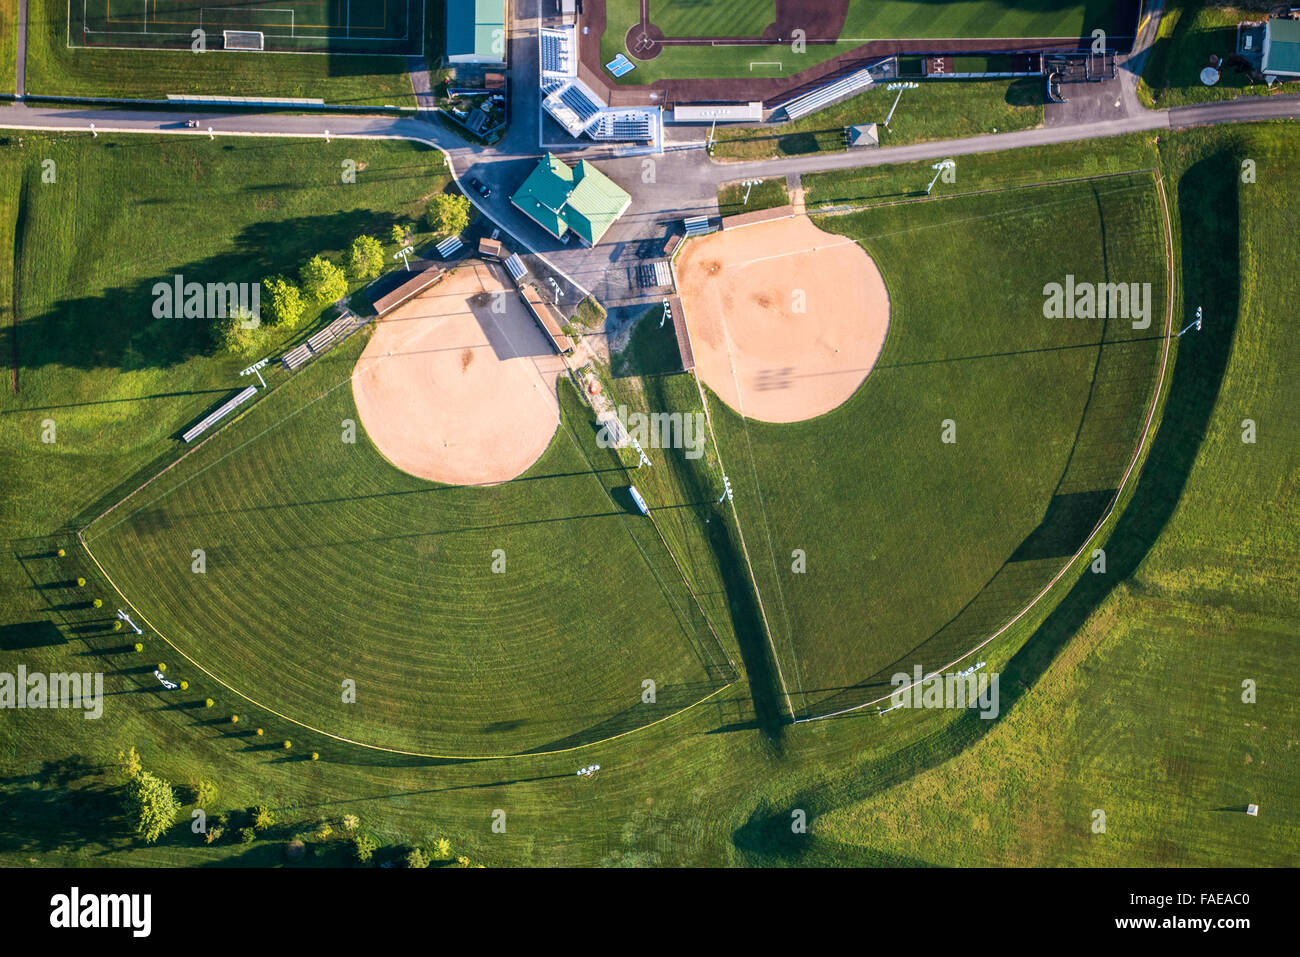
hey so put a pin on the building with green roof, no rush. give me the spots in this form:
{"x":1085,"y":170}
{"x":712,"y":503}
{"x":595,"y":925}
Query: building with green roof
{"x":476,"y":31}
{"x":561,"y":198}
{"x":1281,"y":48}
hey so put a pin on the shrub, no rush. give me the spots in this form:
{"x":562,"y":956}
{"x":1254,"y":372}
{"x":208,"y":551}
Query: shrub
{"x":162,"y":666}
{"x":416,"y":858}
{"x":214,"y":834}
{"x":185,"y":686}
{"x":262,"y":818}
{"x":151,"y":805}
{"x":447,"y":214}
{"x":363,"y":848}
{"x":139,"y":646}
{"x":81,"y":583}
{"x":117,"y":625}
{"x":284,"y":305}
{"x":98,"y":603}
{"x":61,"y":553}
{"x":208,"y":703}
{"x":315,"y":756}
{"x":351,"y":822}
{"x":247,"y":835}
{"x":287,"y":744}
{"x":323,"y":281}
{"x":442,"y":849}
{"x":398,"y":236}
{"x":365,"y":258}
{"x":205,"y":792}
{"x":234,"y":719}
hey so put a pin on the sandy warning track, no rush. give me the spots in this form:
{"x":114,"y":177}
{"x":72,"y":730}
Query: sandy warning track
{"x":452,"y":391}
{"x":786,"y":321}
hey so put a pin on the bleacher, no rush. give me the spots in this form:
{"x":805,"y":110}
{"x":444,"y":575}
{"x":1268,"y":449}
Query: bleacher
{"x":697,"y":226}
{"x":323,"y":341}
{"x":624,"y":125}
{"x":556,"y":47}
{"x":515,"y":266}
{"x":577,"y":99}
{"x":215,"y":416}
{"x":830,"y":93}
{"x":449,"y":246}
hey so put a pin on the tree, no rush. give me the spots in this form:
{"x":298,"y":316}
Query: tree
{"x":214,"y":834}
{"x":205,"y":792}
{"x":284,"y":305}
{"x":447,"y":214}
{"x":237,"y":335}
{"x":366,"y":258}
{"x":442,"y":848}
{"x":130,"y":761}
{"x":398,"y":235}
{"x":247,"y":835}
{"x":151,"y":805}
{"x":351,"y":822}
{"x":416,"y":858}
{"x":462,"y":861}
{"x":363,"y":848}
{"x":323,"y":281}
{"x":262,"y":818}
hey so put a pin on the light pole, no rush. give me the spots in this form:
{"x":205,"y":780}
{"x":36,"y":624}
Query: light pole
{"x":749,"y":184}
{"x":254,"y":370}
{"x":939,"y":168}
{"x":404,"y":254}
{"x":900,"y":87}
{"x":1193,"y":325}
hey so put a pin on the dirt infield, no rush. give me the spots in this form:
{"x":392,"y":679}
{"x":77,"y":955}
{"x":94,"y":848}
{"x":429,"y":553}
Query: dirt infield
{"x":769,"y":359}
{"x":455,"y":391}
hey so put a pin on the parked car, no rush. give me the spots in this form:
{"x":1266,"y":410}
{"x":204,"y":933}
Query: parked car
{"x":479,"y":187}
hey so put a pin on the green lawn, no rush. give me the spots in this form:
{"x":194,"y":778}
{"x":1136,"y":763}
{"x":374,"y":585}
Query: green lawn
{"x":940,"y":109}
{"x":1138,"y":716}
{"x":1190,"y":31}
{"x":8,"y":46}
{"x":55,"y":68}
{"x":992,"y":517}
{"x":765,"y":194}
{"x":867,"y":20}
{"x":1141,"y":715}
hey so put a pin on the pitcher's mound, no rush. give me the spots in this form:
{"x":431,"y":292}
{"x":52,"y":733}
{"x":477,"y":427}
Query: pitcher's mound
{"x":785,"y":320}
{"x":458,"y":385}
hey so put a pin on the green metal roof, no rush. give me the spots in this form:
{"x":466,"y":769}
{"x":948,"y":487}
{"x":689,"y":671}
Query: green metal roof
{"x":561,"y":198}
{"x":1283,"y":47}
{"x":476,"y":28}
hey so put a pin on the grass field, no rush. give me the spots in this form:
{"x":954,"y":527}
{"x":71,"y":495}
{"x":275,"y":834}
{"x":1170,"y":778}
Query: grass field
{"x":341,"y":26}
{"x":55,"y":68}
{"x":867,"y":20}
{"x":737,"y":198}
{"x":1189,"y":32}
{"x":1137,"y":716}
{"x":1142,"y":714}
{"x":8,"y":46}
{"x":938,"y":110}
{"x":1064,"y":400}
{"x":325,"y":563}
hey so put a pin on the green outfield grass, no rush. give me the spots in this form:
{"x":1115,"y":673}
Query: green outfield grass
{"x":1141,"y":715}
{"x":1138,"y":716}
{"x":867,"y":20}
{"x":55,"y":68}
{"x":325,"y":563}
{"x":938,"y":110}
{"x":1048,"y":412}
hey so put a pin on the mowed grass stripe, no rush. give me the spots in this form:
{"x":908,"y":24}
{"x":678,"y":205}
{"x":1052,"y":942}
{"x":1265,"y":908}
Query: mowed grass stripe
{"x":391,"y":585}
{"x":922,"y":528}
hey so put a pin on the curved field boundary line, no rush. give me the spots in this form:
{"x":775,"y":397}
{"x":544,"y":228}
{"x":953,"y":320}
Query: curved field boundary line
{"x":1110,"y":509}
{"x":776,"y":659}
{"x":379,"y":747}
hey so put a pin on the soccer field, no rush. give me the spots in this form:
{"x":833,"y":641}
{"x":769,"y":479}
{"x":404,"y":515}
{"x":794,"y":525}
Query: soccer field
{"x":918,"y":549}
{"x":334,"y":26}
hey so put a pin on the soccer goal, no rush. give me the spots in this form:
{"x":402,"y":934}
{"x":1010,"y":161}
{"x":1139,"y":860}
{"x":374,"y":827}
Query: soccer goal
{"x":243,"y":40}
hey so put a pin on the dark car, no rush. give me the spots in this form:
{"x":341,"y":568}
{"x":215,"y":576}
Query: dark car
{"x":479,"y":187}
